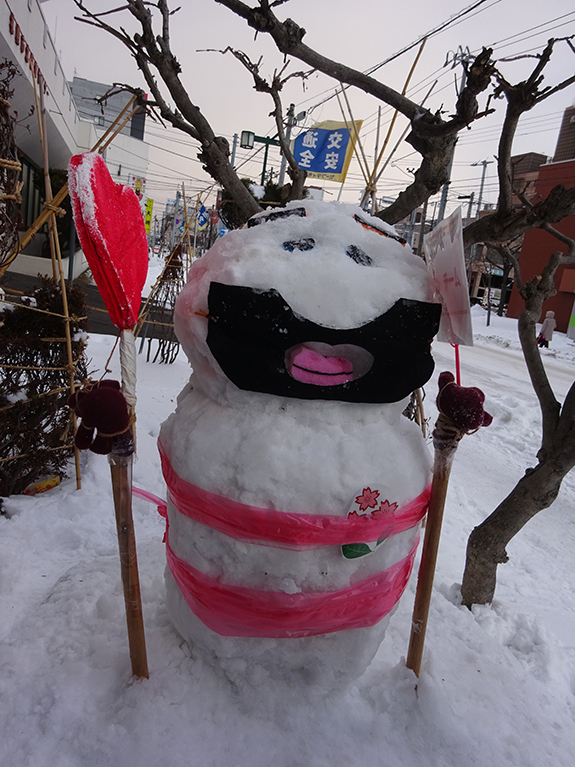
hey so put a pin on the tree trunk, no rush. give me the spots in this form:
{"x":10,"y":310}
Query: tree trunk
{"x":486,"y":547}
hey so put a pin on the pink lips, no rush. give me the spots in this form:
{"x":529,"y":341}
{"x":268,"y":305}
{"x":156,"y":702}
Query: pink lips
{"x":311,"y":367}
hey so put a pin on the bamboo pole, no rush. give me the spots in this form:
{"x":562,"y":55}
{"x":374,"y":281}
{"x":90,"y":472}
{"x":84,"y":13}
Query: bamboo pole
{"x":420,"y":412}
{"x":446,"y":438}
{"x":57,"y":268}
{"x":403,"y":135}
{"x":365,"y":172}
{"x":358,"y":140}
{"x":392,"y":123}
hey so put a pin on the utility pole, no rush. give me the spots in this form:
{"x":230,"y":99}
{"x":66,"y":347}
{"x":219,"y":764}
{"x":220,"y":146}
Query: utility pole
{"x":485,"y":163}
{"x":176,"y":209}
{"x":469,"y":197}
{"x":234,"y":147}
{"x":290,"y":123}
{"x":422,"y":229}
{"x":444,"y":191}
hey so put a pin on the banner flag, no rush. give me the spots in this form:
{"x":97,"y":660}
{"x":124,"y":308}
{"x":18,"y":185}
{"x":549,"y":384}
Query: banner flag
{"x":203,"y":218}
{"x":148,"y":214}
{"x":325,"y":150}
{"x":443,"y":248}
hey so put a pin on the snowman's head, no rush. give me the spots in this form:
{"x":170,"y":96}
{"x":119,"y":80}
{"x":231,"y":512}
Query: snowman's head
{"x":312,"y":301}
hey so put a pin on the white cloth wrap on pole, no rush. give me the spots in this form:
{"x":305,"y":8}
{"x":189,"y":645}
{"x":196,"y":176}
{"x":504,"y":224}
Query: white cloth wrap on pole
{"x":128,"y":366}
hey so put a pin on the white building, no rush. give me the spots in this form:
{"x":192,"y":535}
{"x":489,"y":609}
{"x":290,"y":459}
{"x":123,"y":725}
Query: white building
{"x":73,"y":121}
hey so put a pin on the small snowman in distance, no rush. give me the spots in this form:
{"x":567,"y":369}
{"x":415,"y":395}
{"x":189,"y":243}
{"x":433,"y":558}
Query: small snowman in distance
{"x":296,"y":486}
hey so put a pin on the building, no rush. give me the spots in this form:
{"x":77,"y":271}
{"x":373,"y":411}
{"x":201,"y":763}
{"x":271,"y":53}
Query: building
{"x":538,"y":245}
{"x":74,"y":122}
{"x":565,"y":149}
{"x":524,"y":173}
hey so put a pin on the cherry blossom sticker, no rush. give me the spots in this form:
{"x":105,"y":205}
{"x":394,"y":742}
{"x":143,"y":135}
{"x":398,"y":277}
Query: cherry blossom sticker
{"x":373,"y":503}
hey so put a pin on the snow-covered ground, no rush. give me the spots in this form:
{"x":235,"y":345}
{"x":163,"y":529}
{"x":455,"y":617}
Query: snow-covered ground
{"x":497,"y":685}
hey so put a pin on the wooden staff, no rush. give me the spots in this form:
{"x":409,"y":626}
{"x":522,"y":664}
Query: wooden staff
{"x":446,"y":438}
{"x":121,"y":466}
{"x":121,"y":469}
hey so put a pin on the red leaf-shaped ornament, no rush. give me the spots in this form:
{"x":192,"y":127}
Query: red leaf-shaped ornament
{"x":111,"y":231}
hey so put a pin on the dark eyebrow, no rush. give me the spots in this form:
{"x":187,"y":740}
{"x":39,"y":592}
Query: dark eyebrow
{"x":371,"y":227}
{"x":256,"y":220}
{"x":359,"y":256}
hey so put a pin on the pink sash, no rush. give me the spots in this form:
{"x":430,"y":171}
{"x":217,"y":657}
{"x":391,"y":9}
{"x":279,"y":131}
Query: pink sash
{"x":285,"y":529}
{"x":236,"y":611}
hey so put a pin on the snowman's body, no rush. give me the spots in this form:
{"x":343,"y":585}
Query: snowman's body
{"x":294,"y":432}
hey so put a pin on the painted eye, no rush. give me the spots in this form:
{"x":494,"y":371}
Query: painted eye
{"x":359,"y":256}
{"x":305,"y":243}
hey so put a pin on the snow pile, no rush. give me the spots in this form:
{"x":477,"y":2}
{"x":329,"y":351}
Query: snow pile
{"x":497,"y":684}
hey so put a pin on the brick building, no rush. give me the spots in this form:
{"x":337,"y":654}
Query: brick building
{"x":538,"y":245}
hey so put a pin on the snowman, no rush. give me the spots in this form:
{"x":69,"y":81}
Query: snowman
{"x":296,"y":486}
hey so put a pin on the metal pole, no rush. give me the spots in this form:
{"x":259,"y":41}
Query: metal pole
{"x":485,"y":163}
{"x":422,"y":228}
{"x":234,"y":147}
{"x":467,"y":220}
{"x":444,"y":191}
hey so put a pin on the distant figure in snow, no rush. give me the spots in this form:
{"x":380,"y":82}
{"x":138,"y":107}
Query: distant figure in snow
{"x":546,"y":332}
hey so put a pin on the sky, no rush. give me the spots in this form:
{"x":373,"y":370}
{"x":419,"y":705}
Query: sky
{"x":223,"y":89}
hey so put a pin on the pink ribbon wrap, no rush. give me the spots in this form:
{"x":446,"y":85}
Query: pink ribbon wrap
{"x":285,"y":529}
{"x":238,"y":611}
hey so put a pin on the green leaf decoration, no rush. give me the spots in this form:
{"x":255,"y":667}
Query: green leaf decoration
{"x":355,"y":550}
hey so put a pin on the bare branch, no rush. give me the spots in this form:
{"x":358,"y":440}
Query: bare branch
{"x":431,"y":136}
{"x":503,"y":226}
{"x":298,"y":175}
{"x":560,"y":87}
{"x":566,"y":258}
{"x":153,"y":54}
{"x":507,"y":255}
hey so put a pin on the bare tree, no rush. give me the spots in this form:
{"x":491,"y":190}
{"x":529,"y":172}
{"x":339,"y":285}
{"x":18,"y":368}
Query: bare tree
{"x":539,"y":486}
{"x":298,"y":175}
{"x":434,"y":138}
{"x":154,"y":58}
